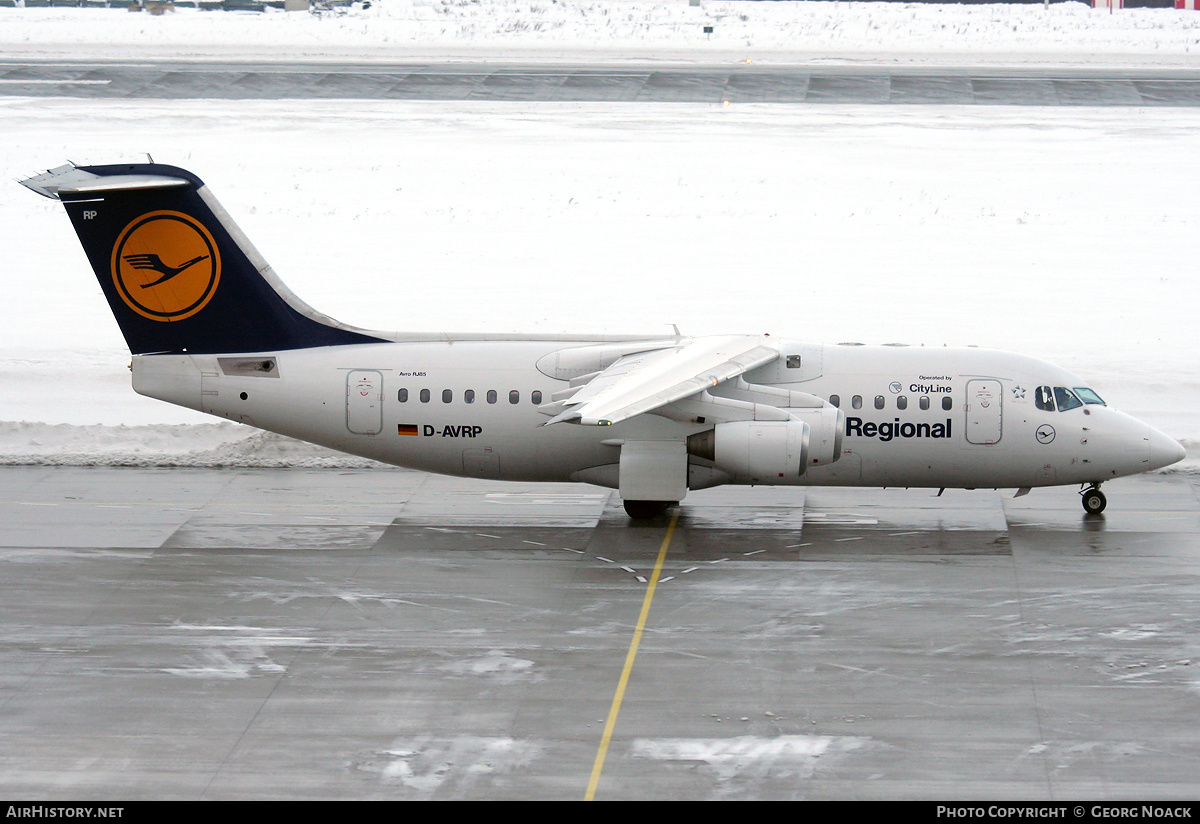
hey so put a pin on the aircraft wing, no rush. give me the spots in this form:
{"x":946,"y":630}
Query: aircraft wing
{"x":645,"y":381}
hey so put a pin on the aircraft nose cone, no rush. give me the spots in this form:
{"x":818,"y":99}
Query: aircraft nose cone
{"x":1164,"y":450}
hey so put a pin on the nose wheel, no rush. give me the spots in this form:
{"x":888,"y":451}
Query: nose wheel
{"x":1093,"y":500}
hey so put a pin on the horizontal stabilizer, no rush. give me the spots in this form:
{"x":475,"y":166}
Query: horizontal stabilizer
{"x":73,"y":180}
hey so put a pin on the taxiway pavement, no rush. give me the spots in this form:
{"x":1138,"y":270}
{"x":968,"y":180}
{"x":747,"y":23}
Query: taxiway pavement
{"x":255,"y":633}
{"x":652,"y":82}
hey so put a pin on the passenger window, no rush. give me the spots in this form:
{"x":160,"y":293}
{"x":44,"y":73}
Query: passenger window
{"x":856,"y":401}
{"x":447,"y":395}
{"x":491,"y":396}
{"x":1065,"y":399}
{"x":947,"y":402}
{"x":793,"y":361}
{"x":469,"y":396}
{"x":835,"y":400}
{"x":879,"y":401}
{"x":902,"y":402}
{"x":514,"y":396}
{"x":424,"y":396}
{"x":1043,"y":398}
{"x":402,"y":396}
{"x":924,"y":402}
{"x":536,"y":397}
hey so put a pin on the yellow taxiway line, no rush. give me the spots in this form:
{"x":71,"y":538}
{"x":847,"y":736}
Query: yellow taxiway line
{"x":615,"y":709}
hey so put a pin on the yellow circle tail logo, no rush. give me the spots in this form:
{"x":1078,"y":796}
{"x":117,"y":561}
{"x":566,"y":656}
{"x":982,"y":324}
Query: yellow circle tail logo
{"x":166,"y":266}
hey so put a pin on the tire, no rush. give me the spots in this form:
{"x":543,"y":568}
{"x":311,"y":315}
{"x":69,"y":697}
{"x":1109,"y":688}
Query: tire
{"x":1094,"y":501}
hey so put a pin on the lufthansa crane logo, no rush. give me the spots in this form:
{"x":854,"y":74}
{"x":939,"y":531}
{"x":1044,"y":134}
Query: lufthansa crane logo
{"x":166,"y":266}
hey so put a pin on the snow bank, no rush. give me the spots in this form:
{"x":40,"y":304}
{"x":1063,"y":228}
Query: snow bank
{"x":215,"y":445}
{"x":622,"y":29}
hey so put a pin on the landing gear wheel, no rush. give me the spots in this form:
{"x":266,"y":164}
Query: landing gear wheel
{"x":642,"y":510}
{"x":1094,"y":500}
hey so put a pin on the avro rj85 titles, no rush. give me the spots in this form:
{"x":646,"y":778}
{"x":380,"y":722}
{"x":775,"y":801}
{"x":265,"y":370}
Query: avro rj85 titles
{"x":211,"y":327}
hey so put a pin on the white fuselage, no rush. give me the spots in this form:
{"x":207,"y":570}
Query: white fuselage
{"x":914,"y":416}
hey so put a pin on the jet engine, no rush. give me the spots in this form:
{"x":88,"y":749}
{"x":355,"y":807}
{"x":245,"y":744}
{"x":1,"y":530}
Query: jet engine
{"x":773,"y":451}
{"x":826,"y":424}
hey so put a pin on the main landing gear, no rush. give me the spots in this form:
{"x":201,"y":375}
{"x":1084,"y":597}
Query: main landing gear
{"x":1093,"y":500}
{"x":644,"y":510}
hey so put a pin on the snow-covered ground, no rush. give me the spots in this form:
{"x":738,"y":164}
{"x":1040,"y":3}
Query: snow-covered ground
{"x":621,"y":29}
{"x":1067,"y":233}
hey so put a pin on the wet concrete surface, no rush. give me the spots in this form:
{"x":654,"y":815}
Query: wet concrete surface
{"x":230,"y":634}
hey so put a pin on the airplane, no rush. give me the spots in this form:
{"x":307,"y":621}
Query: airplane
{"x":211,"y":327}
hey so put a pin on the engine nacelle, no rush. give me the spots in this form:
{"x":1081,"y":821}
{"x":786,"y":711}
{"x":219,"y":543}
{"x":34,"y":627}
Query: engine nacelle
{"x":773,"y":451}
{"x":763,"y":451}
{"x":827,"y":425}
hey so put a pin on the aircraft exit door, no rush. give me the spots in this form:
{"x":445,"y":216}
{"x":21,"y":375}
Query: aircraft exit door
{"x":364,"y":402}
{"x":984,"y":418}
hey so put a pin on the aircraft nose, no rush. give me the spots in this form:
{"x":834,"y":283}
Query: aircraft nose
{"x":1164,"y":450}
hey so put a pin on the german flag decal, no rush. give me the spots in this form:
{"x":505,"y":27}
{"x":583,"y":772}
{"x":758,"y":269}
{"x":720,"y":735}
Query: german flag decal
{"x":407,"y":429}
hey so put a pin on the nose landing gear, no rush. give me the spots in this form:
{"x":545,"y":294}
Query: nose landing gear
{"x":1093,"y":500}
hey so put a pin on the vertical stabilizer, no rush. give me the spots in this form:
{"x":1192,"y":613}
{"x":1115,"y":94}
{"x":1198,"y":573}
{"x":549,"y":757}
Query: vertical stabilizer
{"x":179,"y":275}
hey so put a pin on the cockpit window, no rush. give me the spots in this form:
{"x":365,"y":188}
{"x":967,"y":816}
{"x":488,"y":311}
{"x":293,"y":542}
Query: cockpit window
{"x":1088,"y":396}
{"x":1065,"y":399}
{"x":1043,"y":398}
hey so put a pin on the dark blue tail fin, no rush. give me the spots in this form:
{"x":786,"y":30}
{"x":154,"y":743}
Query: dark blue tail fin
{"x":178,"y":273}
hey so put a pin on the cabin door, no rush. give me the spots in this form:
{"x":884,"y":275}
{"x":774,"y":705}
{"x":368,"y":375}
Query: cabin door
{"x":984,"y":413}
{"x":364,"y":402}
